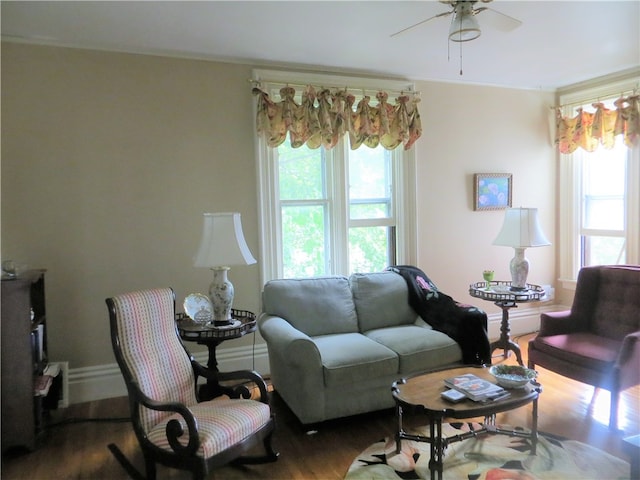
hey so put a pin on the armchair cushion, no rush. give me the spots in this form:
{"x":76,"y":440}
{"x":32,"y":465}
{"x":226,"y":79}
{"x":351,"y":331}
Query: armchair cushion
{"x":588,"y":350}
{"x":221,"y":425}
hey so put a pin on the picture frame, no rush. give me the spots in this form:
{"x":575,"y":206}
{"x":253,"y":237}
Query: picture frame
{"x":492,"y":191}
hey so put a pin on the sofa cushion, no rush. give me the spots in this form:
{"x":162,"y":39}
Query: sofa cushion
{"x":315,"y":306}
{"x":381,"y":300}
{"x":586,"y":349}
{"x":350,"y":358}
{"x":419,"y":348}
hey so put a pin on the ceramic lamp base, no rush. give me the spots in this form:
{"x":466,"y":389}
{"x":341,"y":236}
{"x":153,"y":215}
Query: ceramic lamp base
{"x":221,"y":293}
{"x":519,"y":267}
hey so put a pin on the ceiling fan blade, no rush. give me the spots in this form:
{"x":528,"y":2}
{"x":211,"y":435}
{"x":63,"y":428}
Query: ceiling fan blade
{"x":444,"y":14}
{"x":498,"y":20}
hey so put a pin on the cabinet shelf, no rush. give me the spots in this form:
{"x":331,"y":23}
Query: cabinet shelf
{"x":38,"y":321}
{"x":24,"y":357}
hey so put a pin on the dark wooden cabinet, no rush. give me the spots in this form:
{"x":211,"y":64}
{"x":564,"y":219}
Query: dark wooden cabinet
{"x":24,"y":357}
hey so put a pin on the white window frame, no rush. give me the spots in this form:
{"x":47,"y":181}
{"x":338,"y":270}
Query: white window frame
{"x":403,"y":195}
{"x":570,"y":181}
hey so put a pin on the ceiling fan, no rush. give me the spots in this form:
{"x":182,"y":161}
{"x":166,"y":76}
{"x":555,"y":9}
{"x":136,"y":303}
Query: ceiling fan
{"x":464,"y":25}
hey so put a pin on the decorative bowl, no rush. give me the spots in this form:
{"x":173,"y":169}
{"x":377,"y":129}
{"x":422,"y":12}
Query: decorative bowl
{"x":512,"y":376}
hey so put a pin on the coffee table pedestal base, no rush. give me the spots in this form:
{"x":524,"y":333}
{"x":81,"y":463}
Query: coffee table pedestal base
{"x":421,"y":395}
{"x":440,"y":444}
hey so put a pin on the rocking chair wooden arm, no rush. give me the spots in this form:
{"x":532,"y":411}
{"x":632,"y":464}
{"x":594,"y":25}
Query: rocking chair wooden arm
{"x":239,"y":391}
{"x":174,"y":428}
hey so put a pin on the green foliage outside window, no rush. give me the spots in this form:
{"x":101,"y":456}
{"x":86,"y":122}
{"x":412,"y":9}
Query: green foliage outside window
{"x":368,"y":248}
{"x":303,"y":241}
{"x":305,"y":209}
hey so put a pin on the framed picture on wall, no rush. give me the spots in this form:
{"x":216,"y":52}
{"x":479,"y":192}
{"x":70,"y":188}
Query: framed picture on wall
{"x":492,"y":191}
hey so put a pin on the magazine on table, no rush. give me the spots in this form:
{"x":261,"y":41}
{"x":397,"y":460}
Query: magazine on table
{"x":476,"y":388}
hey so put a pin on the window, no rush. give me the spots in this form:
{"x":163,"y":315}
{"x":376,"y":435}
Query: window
{"x":309,"y":203}
{"x":372,"y":228}
{"x":602,"y":216}
{"x":599,"y":196}
{"x":337,"y":211}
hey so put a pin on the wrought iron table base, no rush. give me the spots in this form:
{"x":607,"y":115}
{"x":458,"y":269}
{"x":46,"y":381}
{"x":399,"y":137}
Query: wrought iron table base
{"x":504,"y":342}
{"x":439,"y":444}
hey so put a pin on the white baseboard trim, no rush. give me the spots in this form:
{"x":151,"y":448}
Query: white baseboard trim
{"x":522,"y":320}
{"x":63,"y":402}
{"x":87,"y":384}
{"x":98,"y":382}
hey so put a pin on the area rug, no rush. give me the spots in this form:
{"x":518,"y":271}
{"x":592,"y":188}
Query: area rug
{"x":488,"y":457}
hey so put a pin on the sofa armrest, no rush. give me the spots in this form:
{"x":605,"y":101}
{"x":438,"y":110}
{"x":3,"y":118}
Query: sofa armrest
{"x":285,"y":341}
{"x":296,"y":367}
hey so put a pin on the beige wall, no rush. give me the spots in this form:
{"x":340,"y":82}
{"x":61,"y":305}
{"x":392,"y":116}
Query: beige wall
{"x":109,"y":160}
{"x":467,"y":130}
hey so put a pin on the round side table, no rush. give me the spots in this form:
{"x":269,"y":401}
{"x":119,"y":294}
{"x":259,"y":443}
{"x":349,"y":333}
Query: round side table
{"x":210,"y":335}
{"x":500,"y":294}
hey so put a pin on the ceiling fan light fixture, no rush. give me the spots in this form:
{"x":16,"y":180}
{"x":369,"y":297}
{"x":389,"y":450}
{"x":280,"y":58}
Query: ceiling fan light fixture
{"x":464,"y":26}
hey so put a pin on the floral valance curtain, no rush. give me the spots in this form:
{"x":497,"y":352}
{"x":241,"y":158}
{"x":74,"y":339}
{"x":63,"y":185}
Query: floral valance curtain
{"x":589,"y":130}
{"x":323,"y":117}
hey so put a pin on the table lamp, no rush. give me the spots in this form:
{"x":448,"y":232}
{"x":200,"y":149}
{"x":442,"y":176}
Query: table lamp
{"x":222,"y":245}
{"x":520,"y":230}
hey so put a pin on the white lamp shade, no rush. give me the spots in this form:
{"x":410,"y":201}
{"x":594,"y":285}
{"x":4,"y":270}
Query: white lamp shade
{"x":222,"y":242}
{"x":464,"y":26}
{"x":521,"y":229}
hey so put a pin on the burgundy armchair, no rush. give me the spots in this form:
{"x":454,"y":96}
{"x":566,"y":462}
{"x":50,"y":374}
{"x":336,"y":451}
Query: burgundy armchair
{"x":598,"y":341}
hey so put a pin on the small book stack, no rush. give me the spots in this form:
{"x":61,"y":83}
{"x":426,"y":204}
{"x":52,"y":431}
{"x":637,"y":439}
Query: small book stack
{"x":476,"y":388}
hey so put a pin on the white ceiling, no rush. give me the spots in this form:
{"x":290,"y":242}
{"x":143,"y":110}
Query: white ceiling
{"x":559,"y":42}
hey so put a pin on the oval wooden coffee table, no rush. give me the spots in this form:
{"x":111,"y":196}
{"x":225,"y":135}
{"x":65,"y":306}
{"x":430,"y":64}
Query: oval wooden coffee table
{"x":421,"y":394}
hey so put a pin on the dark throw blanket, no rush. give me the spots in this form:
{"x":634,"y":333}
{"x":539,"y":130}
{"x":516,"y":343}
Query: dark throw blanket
{"x":465,"y":324}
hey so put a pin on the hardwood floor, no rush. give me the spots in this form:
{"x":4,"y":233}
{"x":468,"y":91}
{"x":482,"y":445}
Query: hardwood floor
{"x":78,"y":449}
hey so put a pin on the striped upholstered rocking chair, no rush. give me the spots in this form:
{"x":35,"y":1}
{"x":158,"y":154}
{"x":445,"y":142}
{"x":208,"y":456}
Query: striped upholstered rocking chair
{"x":173,"y":428}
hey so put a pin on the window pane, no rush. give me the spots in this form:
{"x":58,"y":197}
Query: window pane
{"x":301,"y":172}
{"x":304,"y":250}
{"x":603,"y":251}
{"x":604,"y":178}
{"x":369,"y":210}
{"x":604,"y":213}
{"x":369,"y":183}
{"x":368,"y":249}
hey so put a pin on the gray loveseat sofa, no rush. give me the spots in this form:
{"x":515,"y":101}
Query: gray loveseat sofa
{"x":336,"y":344}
